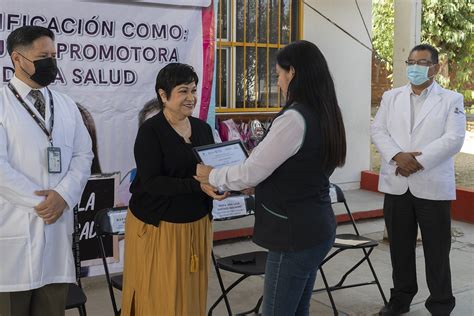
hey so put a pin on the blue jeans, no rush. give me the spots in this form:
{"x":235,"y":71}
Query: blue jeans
{"x":289,"y":279}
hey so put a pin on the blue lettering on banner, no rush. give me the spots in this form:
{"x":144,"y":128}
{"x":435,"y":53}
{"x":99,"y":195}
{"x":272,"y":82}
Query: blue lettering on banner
{"x":122,"y":53}
{"x":3,"y":48}
{"x":102,"y":77}
{"x":70,"y":25}
{"x":95,"y":26}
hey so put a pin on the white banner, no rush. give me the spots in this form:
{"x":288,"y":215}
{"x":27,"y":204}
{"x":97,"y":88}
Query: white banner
{"x":109,"y":55}
{"x":194,"y":3}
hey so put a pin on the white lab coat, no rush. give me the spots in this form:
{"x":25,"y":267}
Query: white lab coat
{"x":438,"y":133}
{"x":33,"y":254}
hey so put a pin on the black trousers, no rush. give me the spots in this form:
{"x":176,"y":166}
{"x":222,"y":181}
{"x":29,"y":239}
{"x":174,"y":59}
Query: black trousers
{"x":48,"y":300}
{"x":402,"y":214}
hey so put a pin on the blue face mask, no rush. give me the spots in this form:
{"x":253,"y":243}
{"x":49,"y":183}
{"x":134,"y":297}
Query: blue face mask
{"x":417,"y":74}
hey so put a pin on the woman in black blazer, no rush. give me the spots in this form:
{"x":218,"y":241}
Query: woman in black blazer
{"x":168,"y":232}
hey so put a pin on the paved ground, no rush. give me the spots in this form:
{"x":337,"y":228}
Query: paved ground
{"x":355,"y":301}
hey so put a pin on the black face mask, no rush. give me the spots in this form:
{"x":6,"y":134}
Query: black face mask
{"x":46,"y":70}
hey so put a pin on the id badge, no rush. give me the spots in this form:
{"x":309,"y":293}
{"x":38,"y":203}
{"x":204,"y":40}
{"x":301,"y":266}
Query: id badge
{"x":54,"y":160}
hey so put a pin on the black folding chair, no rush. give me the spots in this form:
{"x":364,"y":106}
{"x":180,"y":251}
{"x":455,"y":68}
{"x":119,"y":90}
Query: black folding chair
{"x":246,"y":264}
{"x":109,"y":222}
{"x":366,"y":248}
{"x":76,"y":298}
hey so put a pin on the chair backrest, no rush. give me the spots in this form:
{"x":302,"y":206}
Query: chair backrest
{"x":110,"y":221}
{"x":337,"y":196}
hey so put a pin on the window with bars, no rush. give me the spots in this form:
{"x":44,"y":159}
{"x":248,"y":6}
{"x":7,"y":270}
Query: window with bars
{"x":249,"y":34}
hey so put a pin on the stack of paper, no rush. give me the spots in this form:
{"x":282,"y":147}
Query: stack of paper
{"x":350,"y":242}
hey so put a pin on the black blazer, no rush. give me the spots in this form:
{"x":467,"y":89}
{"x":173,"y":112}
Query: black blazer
{"x":164,"y":187}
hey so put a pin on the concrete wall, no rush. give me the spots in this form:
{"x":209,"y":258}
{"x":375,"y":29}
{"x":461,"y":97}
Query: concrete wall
{"x":350,"y":65}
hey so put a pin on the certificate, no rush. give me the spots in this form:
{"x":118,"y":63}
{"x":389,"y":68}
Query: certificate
{"x":233,"y":206}
{"x":223,"y":154}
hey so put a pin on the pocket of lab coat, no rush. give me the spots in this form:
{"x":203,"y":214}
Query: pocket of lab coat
{"x":13,"y":221}
{"x":15,"y":261}
{"x":66,"y":143}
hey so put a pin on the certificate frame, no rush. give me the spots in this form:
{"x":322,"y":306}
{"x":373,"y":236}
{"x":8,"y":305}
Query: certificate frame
{"x":201,"y":149}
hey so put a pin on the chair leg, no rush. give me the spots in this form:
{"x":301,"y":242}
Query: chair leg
{"x":255,"y":309}
{"x":115,"y":307}
{"x":82,"y":310}
{"x":344,"y":277}
{"x":107,"y":274}
{"x":225,"y":291}
{"x":328,"y":291}
{"x":221,"y":284}
{"x":375,"y":277}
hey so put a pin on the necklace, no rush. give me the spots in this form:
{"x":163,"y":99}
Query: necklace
{"x":183,"y":129}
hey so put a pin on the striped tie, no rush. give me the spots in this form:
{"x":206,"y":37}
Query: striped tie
{"x":39,"y":101}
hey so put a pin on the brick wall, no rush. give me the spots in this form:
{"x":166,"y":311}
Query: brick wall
{"x":380,"y":81}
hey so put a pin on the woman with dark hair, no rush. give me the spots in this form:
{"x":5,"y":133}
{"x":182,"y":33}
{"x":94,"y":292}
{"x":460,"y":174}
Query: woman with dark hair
{"x":168,"y":229}
{"x":290,"y":169}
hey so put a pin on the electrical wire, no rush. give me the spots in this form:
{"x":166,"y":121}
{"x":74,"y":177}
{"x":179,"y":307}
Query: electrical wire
{"x":371,"y":49}
{"x":365,"y":25}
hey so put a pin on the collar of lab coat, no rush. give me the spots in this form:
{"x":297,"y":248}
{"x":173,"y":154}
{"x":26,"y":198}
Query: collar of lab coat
{"x":433,"y":88}
{"x":426,"y":91}
{"x":432,"y":99}
{"x":22,"y":88}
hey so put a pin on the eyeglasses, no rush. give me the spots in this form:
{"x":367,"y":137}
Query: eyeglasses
{"x":421,"y":62}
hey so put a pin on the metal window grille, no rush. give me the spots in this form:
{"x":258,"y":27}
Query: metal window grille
{"x":249,"y":34}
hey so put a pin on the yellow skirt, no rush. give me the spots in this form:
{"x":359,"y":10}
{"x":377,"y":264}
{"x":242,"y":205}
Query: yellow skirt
{"x":166,"y":268}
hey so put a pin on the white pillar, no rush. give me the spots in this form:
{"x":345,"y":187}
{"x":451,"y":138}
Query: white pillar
{"x":407,"y":35}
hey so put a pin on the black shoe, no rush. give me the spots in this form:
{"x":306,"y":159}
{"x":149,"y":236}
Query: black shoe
{"x":393,"y":310}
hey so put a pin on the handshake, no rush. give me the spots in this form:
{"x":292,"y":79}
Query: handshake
{"x":202,"y":175}
{"x":407,"y":163}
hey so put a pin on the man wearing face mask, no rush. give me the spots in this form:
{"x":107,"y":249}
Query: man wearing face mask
{"x":45,"y":159}
{"x":417,"y":130}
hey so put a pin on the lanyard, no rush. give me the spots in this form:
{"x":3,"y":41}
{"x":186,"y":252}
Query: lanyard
{"x":40,"y":123}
